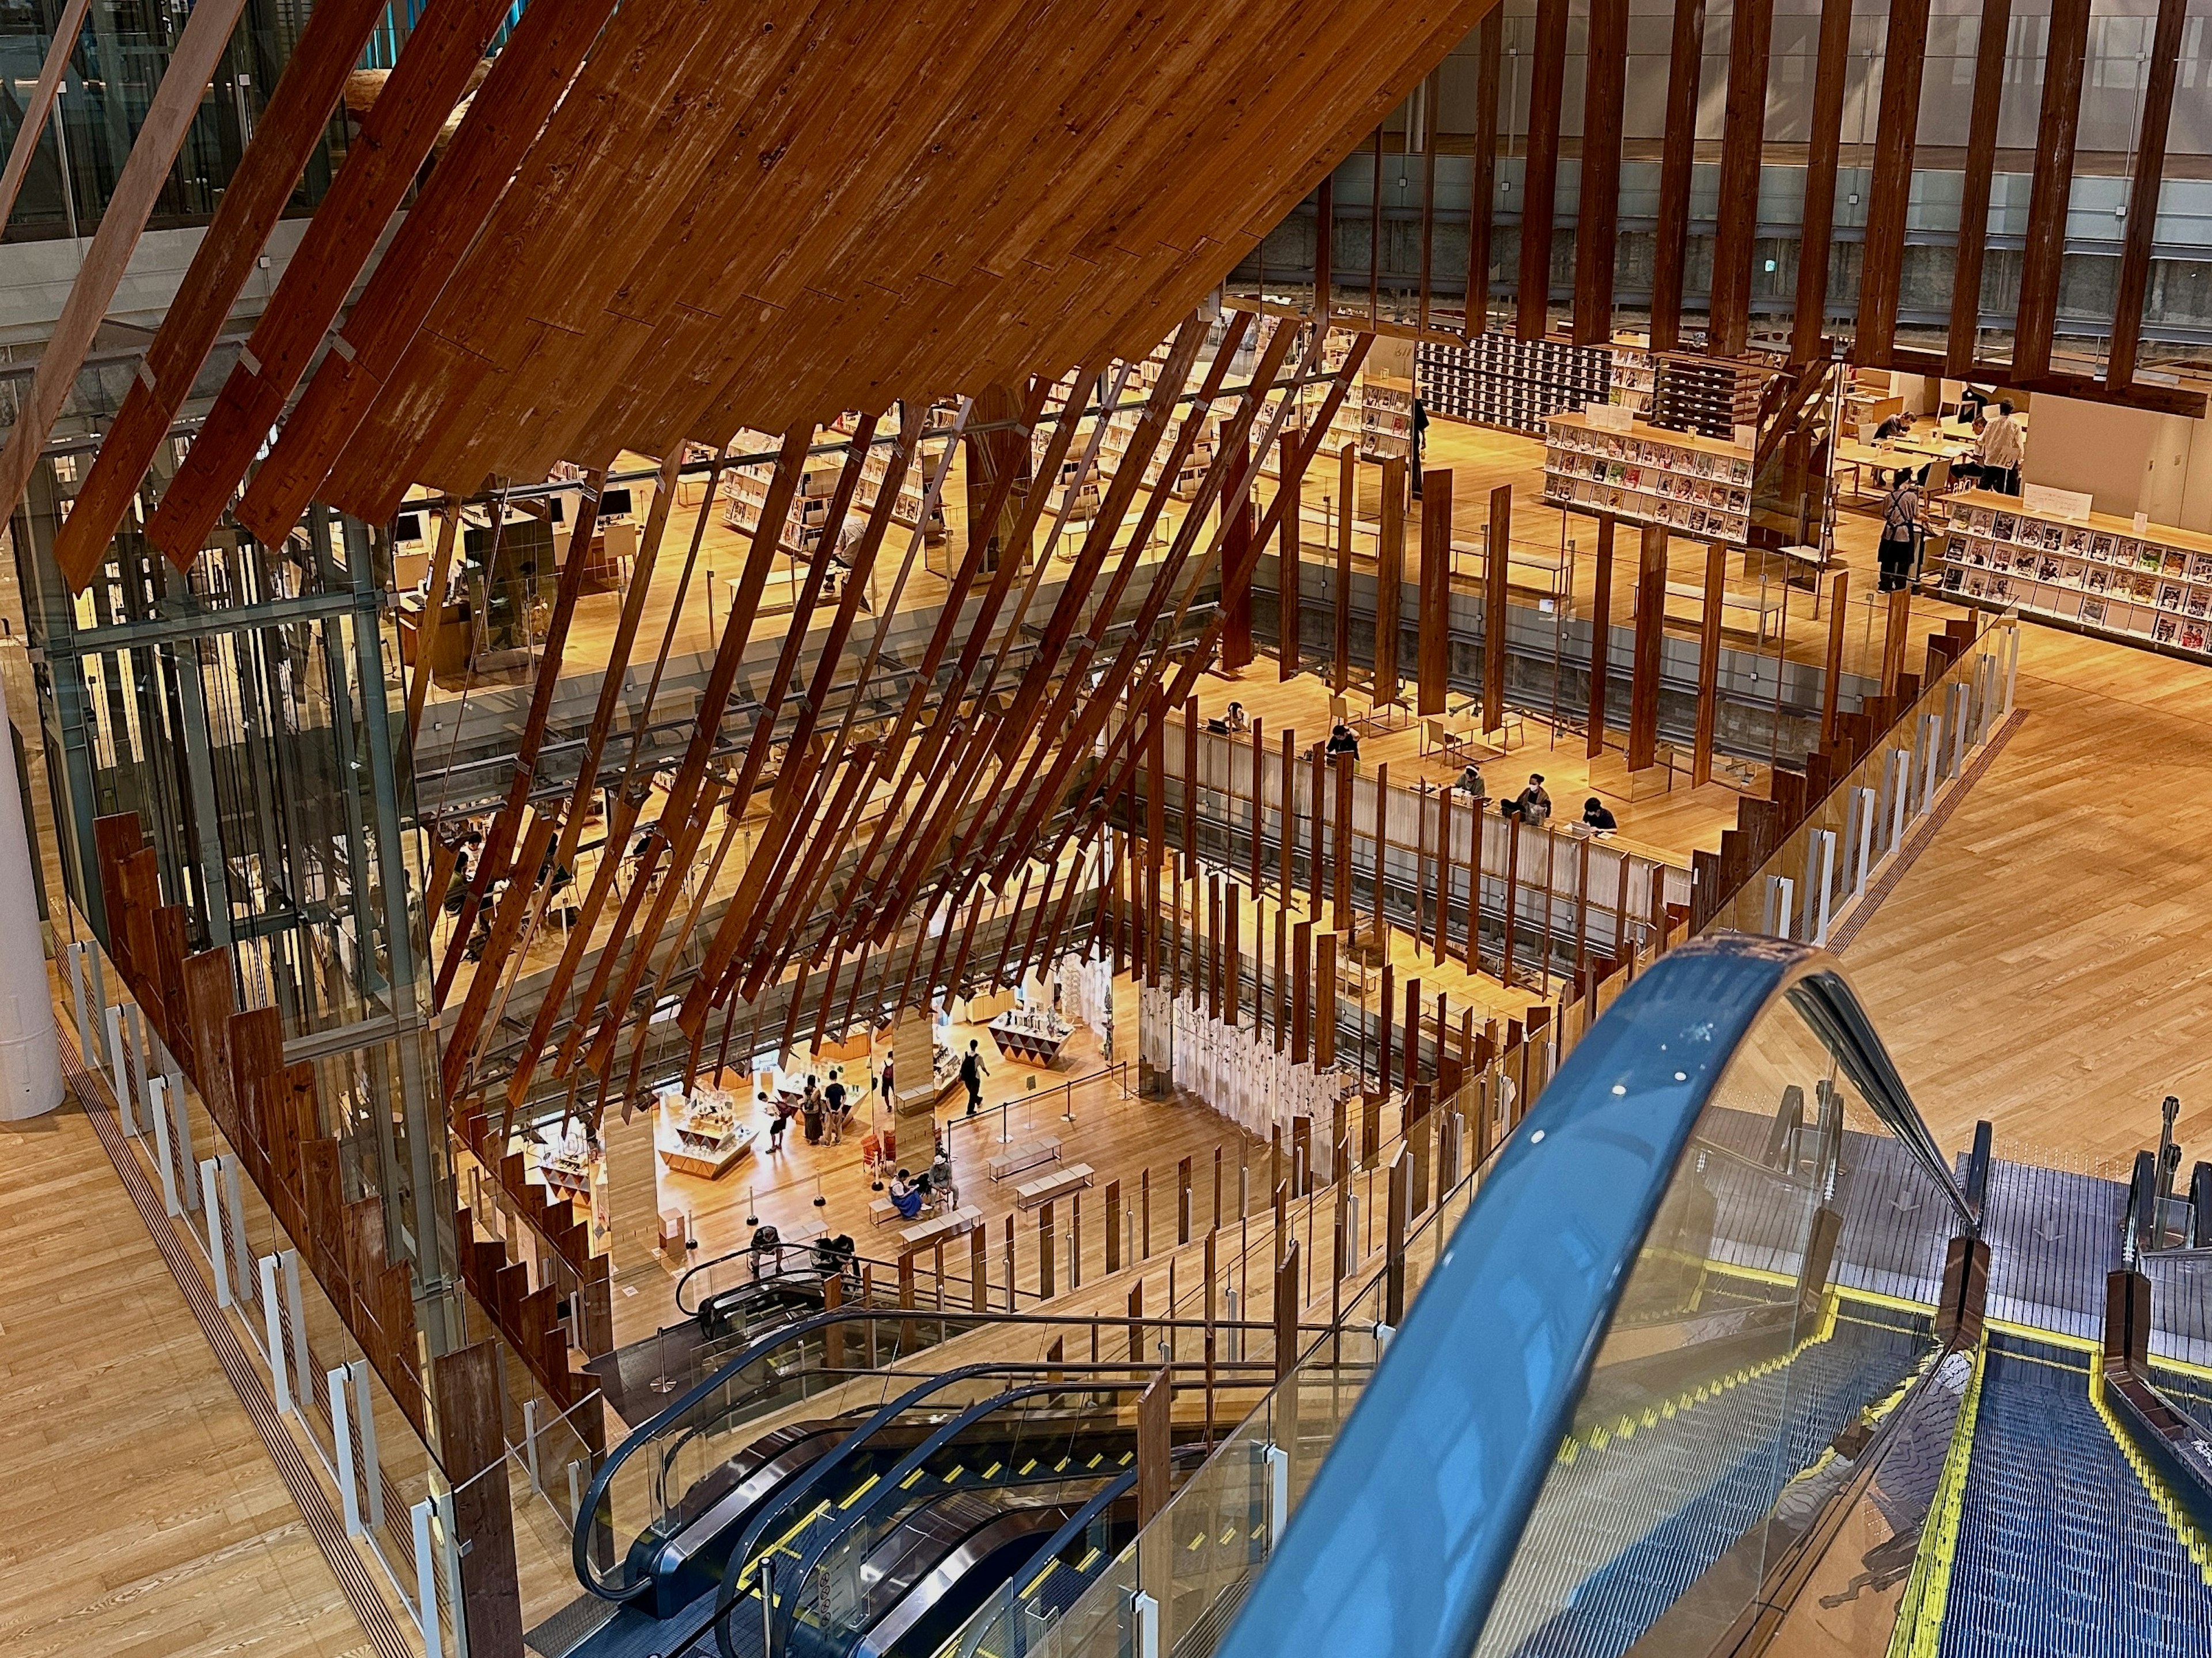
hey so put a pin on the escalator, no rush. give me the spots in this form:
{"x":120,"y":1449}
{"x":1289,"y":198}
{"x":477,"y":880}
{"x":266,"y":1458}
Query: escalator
{"x":1705,"y":1374}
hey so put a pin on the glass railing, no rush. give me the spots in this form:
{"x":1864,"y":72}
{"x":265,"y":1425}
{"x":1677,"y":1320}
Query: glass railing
{"x":1714,"y":1244}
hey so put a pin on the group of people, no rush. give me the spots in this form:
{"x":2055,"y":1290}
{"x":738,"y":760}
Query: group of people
{"x":1993,"y":464}
{"x":1534,"y":804}
{"x":827,"y":1111}
{"x":911,"y":1193}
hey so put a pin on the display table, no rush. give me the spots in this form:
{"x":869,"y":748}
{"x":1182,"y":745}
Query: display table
{"x":1032,"y":1036}
{"x":568,"y":1166}
{"x":700,"y":1134}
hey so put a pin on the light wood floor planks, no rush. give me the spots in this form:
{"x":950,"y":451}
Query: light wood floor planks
{"x":141,"y":1513}
{"x":2043,"y":963}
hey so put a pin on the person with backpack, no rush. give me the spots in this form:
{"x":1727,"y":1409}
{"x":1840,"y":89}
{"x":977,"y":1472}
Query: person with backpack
{"x":1900,"y":521}
{"x":972,"y":1073}
{"x":811,"y":1103}
{"x":833,"y":1098}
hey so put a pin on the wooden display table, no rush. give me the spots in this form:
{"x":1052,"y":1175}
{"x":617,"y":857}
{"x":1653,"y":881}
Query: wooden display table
{"x":568,"y":1167}
{"x":700,"y":1134}
{"x":1031,"y":1038}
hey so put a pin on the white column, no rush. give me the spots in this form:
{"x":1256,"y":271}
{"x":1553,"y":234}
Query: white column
{"x":30,"y":1048}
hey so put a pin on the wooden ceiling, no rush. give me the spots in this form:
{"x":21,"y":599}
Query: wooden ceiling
{"x":724,"y":215}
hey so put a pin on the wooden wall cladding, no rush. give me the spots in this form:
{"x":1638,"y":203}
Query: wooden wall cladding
{"x":1432,"y":654}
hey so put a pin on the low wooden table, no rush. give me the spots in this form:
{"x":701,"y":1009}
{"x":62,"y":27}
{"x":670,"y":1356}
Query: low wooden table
{"x":940,"y":1228}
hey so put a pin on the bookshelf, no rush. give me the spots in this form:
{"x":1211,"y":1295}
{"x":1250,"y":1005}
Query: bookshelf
{"x":1710,"y":396}
{"x":1497,"y":380}
{"x":1386,"y":417}
{"x":1699,"y":486}
{"x":2153,"y":588}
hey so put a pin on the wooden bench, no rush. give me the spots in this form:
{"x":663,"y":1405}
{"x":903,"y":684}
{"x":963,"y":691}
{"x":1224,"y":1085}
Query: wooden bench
{"x":1071,"y":1178}
{"x":940,"y":1228}
{"x":882,"y":1212}
{"x":1027,"y":1155}
{"x":1760,"y":606}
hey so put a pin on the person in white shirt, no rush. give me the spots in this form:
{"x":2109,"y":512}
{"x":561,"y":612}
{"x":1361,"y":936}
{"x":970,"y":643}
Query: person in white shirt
{"x":2003,"y":447}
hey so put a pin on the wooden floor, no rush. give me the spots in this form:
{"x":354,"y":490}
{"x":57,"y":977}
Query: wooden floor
{"x":140,"y":1511}
{"x":2044,"y":965}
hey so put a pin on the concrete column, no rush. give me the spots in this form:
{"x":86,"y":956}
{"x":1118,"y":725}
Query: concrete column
{"x":30,"y":1049}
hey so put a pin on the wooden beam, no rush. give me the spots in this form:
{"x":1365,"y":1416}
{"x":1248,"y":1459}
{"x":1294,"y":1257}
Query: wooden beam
{"x":433,"y":609}
{"x":1236,"y":647}
{"x":1709,"y":664}
{"x":1650,"y":629}
{"x":1823,"y":151}
{"x":396,"y":136}
{"x":1743,"y":138}
{"x":1974,"y":184}
{"x":1389,"y":579}
{"x":1432,"y":652}
{"x":1678,"y":152}
{"x":1597,"y":221}
{"x":1601,"y":636}
{"x":2044,"y":257}
{"x":2143,"y":200}
{"x":1890,"y":194}
{"x":1546,"y":91}
{"x":291,"y":127}
{"x":1289,"y":470}
{"x":1496,"y":570}
{"x":145,"y":175}
{"x":1482,"y":175}
{"x":1831,"y":685}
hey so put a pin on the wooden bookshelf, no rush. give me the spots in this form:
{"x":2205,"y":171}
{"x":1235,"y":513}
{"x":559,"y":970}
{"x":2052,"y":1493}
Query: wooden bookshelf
{"x":1699,"y":486}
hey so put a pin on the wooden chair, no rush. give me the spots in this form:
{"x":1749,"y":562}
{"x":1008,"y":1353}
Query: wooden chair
{"x":1509,"y":729}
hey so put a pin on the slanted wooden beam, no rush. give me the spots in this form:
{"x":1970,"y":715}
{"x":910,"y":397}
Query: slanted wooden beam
{"x":2043,"y":258}
{"x":2143,"y":200}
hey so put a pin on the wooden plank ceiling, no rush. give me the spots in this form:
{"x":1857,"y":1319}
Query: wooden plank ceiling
{"x":733,"y":215}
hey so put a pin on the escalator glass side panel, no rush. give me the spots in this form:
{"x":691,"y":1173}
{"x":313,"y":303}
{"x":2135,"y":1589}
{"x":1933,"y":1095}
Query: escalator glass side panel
{"x":1704,"y":1253}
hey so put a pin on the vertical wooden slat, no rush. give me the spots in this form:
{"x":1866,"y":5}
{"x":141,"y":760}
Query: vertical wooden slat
{"x":1643,"y":682}
{"x":1324,"y":244}
{"x":1670,"y":248}
{"x":1482,"y":176}
{"x":1389,"y":579}
{"x":1882,"y":274}
{"x":1547,"y":89}
{"x":1597,"y":222}
{"x":1831,"y":685}
{"x":1600,"y":635}
{"x":1432,"y":655}
{"x":1347,"y":499}
{"x":2143,"y":200}
{"x":1290,"y":468}
{"x":1236,"y":563}
{"x":1823,"y":150}
{"x":1974,"y":184}
{"x":1497,"y":559}
{"x":2043,"y":258}
{"x":1708,"y":665}
{"x":1429,"y":88}
{"x":1743,"y":133}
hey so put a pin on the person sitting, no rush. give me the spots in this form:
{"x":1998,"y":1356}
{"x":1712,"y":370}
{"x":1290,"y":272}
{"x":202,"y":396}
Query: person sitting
{"x":833,"y":1255}
{"x":1898,"y":425}
{"x":1236,"y":720}
{"x":1532,"y":805}
{"x":1470,"y":781}
{"x":905,"y":1197}
{"x":1342,"y":741}
{"x":1596,"y":818}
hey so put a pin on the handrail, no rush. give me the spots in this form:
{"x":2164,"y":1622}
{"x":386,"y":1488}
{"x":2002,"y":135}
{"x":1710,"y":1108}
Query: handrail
{"x":1011,"y":1592}
{"x":1407,"y":1532}
{"x":650,"y":1430}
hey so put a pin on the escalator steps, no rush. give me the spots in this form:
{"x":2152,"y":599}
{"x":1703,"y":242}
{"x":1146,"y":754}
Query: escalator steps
{"x":2061,"y":1549}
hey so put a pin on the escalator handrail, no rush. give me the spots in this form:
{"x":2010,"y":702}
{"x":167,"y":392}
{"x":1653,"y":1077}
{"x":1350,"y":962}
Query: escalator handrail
{"x":649,"y":1431}
{"x":1410,"y":1521}
{"x":1074,"y":1528}
{"x":890,"y":1487}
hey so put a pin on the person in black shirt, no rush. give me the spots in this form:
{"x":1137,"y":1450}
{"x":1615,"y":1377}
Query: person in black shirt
{"x":1341,"y":741}
{"x":972,"y":1073}
{"x":1597,"y":816}
{"x":833,"y":1097}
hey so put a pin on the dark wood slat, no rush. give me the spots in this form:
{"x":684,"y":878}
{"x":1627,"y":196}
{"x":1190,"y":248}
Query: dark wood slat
{"x":1497,"y":573}
{"x":2042,"y":258}
{"x":293,"y":124}
{"x":1290,"y":556}
{"x":1429,"y":101}
{"x":2143,"y":200}
{"x":1823,"y":149}
{"x":1650,"y":629}
{"x":1601,"y":634}
{"x":1482,"y":175}
{"x":1974,"y":185}
{"x":1597,"y":222}
{"x":1547,"y":92}
{"x":396,"y":136}
{"x":1432,"y":654}
{"x":1670,"y":245}
{"x":1389,"y":579}
{"x":1347,"y":493}
{"x":1743,"y":137}
{"x":1708,"y":665}
{"x":1236,"y":647}
{"x":1882,"y":272}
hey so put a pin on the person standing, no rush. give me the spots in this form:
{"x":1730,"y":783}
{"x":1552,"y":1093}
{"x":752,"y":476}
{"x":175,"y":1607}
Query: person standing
{"x":972,"y":1073}
{"x":834,"y":1098}
{"x":2003,"y":447}
{"x":811,"y":1106}
{"x":1900,"y":521}
{"x":779,"y":1119}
